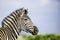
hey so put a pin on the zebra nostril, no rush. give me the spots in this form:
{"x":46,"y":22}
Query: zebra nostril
{"x":36,"y":29}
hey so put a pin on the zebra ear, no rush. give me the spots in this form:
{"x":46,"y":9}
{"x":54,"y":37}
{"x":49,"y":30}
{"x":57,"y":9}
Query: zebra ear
{"x":24,"y":12}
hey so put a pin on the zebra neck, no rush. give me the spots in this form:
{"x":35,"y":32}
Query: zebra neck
{"x":15,"y":19}
{"x":11,"y":22}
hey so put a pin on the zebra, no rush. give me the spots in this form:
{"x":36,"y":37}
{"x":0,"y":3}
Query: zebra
{"x":16,"y":22}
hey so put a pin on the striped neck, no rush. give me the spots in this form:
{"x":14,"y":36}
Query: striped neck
{"x":11,"y":22}
{"x":15,"y":20}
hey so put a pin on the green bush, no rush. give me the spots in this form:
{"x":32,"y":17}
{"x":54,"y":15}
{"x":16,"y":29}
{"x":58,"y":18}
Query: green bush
{"x":43,"y":37}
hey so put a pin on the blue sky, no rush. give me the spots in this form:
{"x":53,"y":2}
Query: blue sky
{"x":44,"y":13}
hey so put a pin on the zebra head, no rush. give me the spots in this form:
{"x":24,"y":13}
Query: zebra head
{"x":26,"y":24}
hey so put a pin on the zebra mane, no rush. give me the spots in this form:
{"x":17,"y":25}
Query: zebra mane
{"x":11,"y":20}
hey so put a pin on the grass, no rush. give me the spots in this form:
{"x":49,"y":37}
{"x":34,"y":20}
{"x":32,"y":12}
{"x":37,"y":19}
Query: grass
{"x":40,"y":37}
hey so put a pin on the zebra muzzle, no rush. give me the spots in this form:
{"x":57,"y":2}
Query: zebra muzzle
{"x":35,"y":32}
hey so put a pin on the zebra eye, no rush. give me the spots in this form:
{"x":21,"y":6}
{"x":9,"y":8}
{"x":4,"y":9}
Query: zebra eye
{"x":25,"y":19}
{"x":25,"y":24}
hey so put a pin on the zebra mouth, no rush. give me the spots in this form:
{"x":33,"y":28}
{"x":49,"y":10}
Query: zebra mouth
{"x":34,"y":33}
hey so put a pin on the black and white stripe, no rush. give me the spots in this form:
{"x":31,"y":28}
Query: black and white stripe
{"x":11,"y":22}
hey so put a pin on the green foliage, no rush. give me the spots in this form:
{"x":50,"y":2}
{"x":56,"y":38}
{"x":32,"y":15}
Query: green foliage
{"x":43,"y":37}
{"x":30,"y":37}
